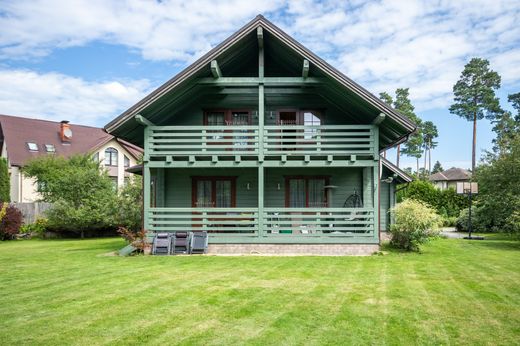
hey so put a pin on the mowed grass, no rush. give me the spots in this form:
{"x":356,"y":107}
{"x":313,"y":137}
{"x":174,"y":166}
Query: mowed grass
{"x":70,"y":292}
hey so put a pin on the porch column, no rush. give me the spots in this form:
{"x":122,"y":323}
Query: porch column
{"x":146,"y":180}
{"x":376,"y":181}
{"x":260,"y":201}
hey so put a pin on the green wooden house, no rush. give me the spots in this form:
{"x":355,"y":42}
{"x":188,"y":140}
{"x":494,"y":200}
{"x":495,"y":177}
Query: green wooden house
{"x":267,"y":148}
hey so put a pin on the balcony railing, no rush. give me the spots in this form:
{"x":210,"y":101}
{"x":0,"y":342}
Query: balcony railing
{"x":164,"y":141}
{"x":312,"y":140}
{"x":277,"y":222}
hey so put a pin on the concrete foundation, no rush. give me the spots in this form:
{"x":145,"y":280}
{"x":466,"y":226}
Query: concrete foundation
{"x":293,"y":249}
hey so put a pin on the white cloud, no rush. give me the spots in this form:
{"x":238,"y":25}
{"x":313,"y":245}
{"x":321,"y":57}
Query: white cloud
{"x":382,"y":45}
{"x":165,"y":30}
{"x":55,"y":96}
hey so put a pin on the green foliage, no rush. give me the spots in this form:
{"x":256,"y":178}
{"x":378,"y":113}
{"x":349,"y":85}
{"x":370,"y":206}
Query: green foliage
{"x":130,"y":205}
{"x":5,"y":186}
{"x":386,"y":98}
{"x":82,"y":195}
{"x":446,"y":202}
{"x":402,"y":103}
{"x":37,"y":228}
{"x":415,"y":223}
{"x":475,"y":96}
{"x":479,"y":220}
{"x":437,"y":167}
{"x":499,"y":187}
{"x":10,"y":221}
{"x":475,"y":91}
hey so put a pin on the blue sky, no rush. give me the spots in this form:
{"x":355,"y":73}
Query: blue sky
{"x":87,"y":61}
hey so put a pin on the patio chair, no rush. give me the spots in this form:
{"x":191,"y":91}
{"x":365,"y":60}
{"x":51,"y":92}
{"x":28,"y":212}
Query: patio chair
{"x":199,"y":242}
{"x":161,"y":244}
{"x":181,"y":243}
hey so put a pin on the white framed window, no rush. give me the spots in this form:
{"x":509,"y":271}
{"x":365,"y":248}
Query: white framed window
{"x":50,"y":148}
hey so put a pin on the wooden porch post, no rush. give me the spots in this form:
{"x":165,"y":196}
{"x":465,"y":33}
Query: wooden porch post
{"x":261,"y":112}
{"x":376,"y":182}
{"x":146,"y":180}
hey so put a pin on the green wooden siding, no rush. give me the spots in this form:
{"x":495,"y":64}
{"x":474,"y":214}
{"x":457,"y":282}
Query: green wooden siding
{"x":385,"y":206}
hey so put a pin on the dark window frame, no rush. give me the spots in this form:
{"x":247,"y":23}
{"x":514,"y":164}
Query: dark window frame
{"x":213,"y":179}
{"x":288,"y":178}
{"x":111,"y":150}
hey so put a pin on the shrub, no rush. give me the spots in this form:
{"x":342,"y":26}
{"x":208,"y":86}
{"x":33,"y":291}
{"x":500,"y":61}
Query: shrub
{"x":37,"y":228}
{"x":415,"y":223}
{"x":449,"y":221}
{"x":478,"y":220}
{"x":10,"y":221}
{"x":136,"y":239}
{"x":130,"y":204}
{"x":446,"y":202}
{"x":5,"y":186}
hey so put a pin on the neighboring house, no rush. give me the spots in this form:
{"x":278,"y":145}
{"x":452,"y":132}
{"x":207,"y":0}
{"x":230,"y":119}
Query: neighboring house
{"x":23,"y":139}
{"x":268,"y":148}
{"x":449,"y":178}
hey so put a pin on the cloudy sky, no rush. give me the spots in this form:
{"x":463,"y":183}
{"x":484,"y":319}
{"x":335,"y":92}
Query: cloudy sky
{"x":87,"y":61}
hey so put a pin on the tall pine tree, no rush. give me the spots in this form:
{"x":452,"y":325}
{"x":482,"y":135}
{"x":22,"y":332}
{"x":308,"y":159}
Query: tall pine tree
{"x":475,"y":96}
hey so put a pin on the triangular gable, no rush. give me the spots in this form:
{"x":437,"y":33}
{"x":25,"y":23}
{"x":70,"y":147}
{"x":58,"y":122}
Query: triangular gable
{"x":394,"y":129}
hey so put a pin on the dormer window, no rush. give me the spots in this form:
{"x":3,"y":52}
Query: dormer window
{"x":32,"y":146}
{"x":50,"y":148}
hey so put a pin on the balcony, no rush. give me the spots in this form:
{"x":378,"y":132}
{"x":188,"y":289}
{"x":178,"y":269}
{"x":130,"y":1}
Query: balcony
{"x":174,"y":142}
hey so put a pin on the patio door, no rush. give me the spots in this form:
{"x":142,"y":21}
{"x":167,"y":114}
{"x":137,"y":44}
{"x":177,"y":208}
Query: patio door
{"x":306,"y":192}
{"x":213,"y":192}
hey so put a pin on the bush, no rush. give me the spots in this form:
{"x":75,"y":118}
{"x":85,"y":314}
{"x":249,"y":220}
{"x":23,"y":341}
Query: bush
{"x":478,"y":220}
{"x":446,"y":202}
{"x":5,"y":186}
{"x":449,"y":221}
{"x":10,"y":221}
{"x":130,"y":205}
{"x":37,"y":228}
{"x":415,"y":223}
{"x":135,"y":238}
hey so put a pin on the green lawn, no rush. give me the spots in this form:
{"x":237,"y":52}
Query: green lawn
{"x":71,"y":292}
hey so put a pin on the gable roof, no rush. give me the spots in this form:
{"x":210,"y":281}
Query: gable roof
{"x":16,"y":132}
{"x":452,"y":174}
{"x":402,"y":176}
{"x":396,"y":124}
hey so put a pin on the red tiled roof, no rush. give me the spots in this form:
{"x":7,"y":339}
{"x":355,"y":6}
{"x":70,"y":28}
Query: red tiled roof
{"x":16,"y":132}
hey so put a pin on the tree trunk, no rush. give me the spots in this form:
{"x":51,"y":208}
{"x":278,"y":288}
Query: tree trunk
{"x":474,"y":142}
{"x":417,"y":166}
{"x":398,"y":154}
{"x":425,"y":155}
{"x":430,"y":158}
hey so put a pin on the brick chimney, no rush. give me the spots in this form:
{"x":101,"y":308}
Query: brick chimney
{"x":65,"y":131}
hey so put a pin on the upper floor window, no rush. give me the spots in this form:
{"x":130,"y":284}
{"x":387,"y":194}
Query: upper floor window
{"x":110,"y":157}
{"x":127,"y":161}
{"x":227,"y":117}
{"x":32,"y":146}
{"x":95,"y":157}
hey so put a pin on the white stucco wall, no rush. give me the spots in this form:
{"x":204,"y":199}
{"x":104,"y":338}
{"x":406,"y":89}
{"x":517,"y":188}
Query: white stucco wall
{"x":23,"y":189}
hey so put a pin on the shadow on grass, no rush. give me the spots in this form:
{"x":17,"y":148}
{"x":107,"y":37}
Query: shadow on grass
{"x":499,"y":244}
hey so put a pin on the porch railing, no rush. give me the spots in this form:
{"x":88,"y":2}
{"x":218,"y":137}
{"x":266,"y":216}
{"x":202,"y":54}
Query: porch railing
{"x":278,"y":140}
{"x":277,"y":222}
{"x":237,"y":221}
{"x":319,"y":221}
